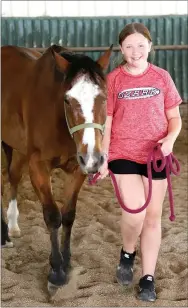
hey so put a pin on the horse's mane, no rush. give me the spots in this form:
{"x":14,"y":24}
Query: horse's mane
{"x":82,"y":64}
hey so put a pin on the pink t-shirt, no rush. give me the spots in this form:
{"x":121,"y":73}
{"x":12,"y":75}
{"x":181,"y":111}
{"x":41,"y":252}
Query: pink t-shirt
{"x":138,"y":104}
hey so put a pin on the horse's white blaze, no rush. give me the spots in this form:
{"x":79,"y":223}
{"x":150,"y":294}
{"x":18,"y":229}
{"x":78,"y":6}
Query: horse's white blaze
{"x":12,"y":215}
{"x":85,"y":92}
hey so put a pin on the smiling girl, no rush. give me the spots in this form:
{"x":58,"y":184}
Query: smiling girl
{"x":142,"y":109}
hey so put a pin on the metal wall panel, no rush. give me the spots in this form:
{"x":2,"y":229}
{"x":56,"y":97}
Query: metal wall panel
{"x":94,"y":32}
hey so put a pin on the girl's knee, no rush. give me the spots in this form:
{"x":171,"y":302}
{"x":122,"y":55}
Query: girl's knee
{"x":133,"y":221}
{"x":152,"y":221}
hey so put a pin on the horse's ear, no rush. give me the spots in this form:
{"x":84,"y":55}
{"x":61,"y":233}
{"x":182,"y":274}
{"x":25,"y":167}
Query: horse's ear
{"x":61,"y":62}
{"x":104,"y":60}
{"x":59,"y":49}
{"x":56,"y":48}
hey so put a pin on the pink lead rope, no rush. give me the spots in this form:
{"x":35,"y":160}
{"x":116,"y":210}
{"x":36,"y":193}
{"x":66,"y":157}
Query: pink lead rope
{"x":166,"y":162}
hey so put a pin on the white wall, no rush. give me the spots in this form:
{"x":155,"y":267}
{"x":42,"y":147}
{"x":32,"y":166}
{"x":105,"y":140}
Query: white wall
{"x":92,"y":8}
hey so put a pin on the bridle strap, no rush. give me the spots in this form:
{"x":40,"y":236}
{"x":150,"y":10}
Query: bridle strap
{"x":86,"y":125}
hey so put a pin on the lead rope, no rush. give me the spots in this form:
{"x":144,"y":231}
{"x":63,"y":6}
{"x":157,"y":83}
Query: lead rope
{"x":166,"y":162}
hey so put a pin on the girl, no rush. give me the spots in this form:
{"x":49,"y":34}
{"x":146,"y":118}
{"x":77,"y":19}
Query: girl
{"x":142,"y":109}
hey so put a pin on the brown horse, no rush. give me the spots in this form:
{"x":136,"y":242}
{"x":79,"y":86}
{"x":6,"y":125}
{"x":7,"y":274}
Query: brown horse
{"x":53,"y":115}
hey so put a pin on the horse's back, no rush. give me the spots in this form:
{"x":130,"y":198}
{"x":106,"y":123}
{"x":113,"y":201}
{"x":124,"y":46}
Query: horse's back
{"x":16,"y":65}
{"x":16,"y":68}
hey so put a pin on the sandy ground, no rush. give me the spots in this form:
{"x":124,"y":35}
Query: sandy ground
{"x":96,"y":243}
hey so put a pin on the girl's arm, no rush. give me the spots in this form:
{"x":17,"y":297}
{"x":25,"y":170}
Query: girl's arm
{"x":107,"y":135}
{"x":174,"y":127}
{"x":174,"y":122}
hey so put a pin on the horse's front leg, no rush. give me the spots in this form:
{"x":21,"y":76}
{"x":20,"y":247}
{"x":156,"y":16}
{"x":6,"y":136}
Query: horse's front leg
{"x":40,"y":178}
{"x":72,"y":185}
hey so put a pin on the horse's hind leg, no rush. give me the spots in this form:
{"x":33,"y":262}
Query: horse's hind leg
{"x":15,"y":163}
{"x":8,"y":152}
{"x":72,"y":185}
{"x":5,"y":240}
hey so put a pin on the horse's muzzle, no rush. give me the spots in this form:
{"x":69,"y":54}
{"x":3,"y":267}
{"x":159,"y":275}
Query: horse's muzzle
{"x":90,"y":162}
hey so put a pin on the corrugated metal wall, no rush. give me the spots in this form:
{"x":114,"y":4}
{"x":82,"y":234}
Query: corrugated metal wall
{"x":94,"y":32}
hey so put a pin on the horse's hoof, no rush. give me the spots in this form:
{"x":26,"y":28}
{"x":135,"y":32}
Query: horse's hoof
{"x":52,"y":288}
{"x":57,"y":278}
{"x":7,"y":245}
{"x":14,"y":232}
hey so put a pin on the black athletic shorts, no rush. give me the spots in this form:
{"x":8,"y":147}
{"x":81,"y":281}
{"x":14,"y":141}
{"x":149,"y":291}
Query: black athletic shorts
{"x":123,"y":166}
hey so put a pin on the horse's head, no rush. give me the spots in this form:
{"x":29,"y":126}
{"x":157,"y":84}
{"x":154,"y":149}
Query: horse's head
{"x":85,"y":104}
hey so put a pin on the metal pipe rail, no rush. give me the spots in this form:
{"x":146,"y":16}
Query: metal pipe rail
{"x":116,"y":48}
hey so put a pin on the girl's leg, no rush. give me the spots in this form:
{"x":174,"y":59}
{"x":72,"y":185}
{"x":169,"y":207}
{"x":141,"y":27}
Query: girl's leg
{"x":151,"y":231}
{"x":151,"y":239}
{"x":132,"y":194}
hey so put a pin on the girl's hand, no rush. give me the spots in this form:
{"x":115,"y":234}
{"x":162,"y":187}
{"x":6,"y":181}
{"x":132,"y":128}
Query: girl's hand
{"x":167,"y":145}
{"x":104,"y":170}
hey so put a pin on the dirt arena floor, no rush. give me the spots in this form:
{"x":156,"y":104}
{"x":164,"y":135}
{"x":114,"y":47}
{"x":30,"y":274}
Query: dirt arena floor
{"x":96,"y":243}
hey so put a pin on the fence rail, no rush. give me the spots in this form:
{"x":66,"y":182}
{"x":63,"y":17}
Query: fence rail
{"x":116,"y":48}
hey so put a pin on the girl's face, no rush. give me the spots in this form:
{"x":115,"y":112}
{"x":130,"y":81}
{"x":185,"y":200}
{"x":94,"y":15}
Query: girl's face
{"x":135,"y":49}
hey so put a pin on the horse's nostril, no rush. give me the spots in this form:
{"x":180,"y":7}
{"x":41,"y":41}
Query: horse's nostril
{"x":102,"y":159}
{"x":81,"y":160}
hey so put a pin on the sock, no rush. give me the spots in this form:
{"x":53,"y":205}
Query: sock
{"x":148,"y":278}
{"x":127,"y":254}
